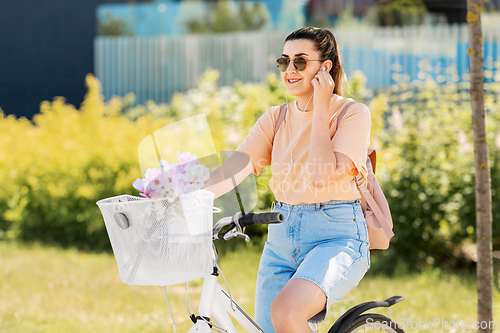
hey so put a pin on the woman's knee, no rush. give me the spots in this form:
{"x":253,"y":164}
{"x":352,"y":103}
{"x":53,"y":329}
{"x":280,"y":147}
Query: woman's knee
{"x":298,"y":301}
{"x":283,"y":308}
{"x":284,"y":314}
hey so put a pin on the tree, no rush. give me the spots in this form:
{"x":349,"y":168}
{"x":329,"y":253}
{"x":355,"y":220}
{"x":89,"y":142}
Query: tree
{"x":223,"y":17}
{"x":400,"y":12}
{"x":113,"y":26}
{"x":483,"y":179}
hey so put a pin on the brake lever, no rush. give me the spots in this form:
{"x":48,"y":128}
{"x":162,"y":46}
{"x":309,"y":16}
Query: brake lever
{"x":235,"y":229}
{"x":236,"y":234}
{"x":219,"y":225}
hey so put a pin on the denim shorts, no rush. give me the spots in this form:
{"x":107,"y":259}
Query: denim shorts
{"x":325,"y":243}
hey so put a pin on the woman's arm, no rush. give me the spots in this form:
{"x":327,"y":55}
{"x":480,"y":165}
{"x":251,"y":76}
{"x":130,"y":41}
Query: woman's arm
{"x":328,"y":166}
{"x":229,"y":175}
{"x":257,"y":147}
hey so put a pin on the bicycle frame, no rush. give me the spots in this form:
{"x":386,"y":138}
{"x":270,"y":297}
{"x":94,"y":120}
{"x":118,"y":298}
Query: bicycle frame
{"x":216,"y":303}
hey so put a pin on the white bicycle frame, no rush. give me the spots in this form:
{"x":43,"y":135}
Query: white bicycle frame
{"x":216,"y":303}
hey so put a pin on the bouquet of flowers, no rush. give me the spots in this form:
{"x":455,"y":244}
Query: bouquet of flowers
{"x":174,"y":179}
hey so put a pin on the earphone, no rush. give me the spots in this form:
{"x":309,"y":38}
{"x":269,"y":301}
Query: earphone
{"x":324,"y":68}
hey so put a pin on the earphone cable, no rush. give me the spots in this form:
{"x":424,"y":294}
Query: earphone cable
{"x":291,"y":151}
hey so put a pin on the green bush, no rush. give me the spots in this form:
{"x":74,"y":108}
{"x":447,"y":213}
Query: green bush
{"x":427,"y":172}
{"x":56,"y":167}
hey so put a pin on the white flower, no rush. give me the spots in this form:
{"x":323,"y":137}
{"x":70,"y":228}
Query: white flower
{"x":151,"y":174}
{"x":463,"y":145}
{"x":163,"y":163}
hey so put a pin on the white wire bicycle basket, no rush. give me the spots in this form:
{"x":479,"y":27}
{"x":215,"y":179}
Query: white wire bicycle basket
{"x":160,"y":241}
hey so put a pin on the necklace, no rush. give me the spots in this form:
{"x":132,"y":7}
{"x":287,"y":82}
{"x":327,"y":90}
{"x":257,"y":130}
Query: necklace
{"x":297,"y":104}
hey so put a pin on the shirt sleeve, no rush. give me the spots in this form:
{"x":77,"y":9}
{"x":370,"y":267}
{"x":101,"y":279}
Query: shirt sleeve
{"x":258,"y":143}
{"x":353,"y":135}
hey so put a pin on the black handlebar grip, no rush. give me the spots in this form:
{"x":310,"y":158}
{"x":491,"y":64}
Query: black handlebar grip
{"x":261,"y":218}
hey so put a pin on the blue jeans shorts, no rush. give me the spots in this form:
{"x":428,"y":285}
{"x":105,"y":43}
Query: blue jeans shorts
{"x":325,"y":243}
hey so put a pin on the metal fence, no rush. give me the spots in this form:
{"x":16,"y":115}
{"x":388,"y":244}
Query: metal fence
{"x":156,"y":67}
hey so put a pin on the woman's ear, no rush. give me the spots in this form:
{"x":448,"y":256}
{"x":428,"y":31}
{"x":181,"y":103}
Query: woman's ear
{"x":327,"y":64}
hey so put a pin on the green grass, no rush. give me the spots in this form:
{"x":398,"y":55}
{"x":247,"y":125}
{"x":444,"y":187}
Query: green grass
{"x":46,"y":289}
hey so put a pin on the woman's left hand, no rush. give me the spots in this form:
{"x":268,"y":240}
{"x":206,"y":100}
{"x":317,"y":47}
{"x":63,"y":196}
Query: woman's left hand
{"x":323,"y":88}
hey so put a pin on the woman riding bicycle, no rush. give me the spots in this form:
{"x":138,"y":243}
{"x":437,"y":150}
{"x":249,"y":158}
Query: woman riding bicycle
{"x":321,"y":250}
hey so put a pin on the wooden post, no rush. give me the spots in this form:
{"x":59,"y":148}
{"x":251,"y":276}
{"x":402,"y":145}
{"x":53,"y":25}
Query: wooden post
{"x":483,"y":181}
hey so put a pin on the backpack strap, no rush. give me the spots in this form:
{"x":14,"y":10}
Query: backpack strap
{"x":360,"y":182}
{"x":370,"y":201}
{"x":372,"y":154}
{"x":281,"y":117}
{"x":342,"y":114}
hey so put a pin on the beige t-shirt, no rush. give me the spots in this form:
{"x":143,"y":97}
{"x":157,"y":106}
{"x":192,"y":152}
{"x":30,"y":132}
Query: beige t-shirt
{"x":294,"y":187}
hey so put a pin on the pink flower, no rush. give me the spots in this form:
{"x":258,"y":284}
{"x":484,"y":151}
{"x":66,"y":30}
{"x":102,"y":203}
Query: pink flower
{"x":185,"y":157}
{"x":396,"y":120}
{"x":192,"y":163}
{"x":139,"y":184}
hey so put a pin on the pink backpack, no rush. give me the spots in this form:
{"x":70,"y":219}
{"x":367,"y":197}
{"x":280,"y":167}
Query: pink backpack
{"x":373,"y":201}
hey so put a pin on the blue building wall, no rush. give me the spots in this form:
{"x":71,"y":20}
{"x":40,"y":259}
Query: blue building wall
{"x":46,"y":50}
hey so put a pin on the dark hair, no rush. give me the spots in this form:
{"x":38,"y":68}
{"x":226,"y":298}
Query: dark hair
{"x":326,"y":45}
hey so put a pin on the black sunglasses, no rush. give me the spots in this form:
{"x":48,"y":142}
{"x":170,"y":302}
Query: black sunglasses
{"x":299,"y":63}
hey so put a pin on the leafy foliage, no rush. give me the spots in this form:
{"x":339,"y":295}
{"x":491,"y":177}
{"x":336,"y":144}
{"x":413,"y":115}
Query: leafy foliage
{"x":113,"y":26}
{"x":400,"y":12}
{"x":222,"y":17}
{"x":57,"y":167}
{"x":427,"y":159}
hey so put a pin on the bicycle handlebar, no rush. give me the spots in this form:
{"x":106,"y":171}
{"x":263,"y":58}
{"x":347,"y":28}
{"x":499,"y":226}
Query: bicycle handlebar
{"x":262,"y":218}
{"x":239,"y":221}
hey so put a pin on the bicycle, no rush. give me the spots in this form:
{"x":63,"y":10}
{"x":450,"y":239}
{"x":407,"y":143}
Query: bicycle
{"x":215,"y":302}
{"x":350,"y":321}
{"x":166,"y":241}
